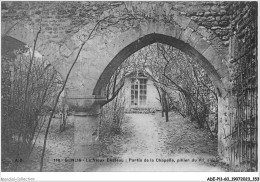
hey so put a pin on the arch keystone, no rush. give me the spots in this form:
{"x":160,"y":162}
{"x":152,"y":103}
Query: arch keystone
{"x":160,"y":28}
{"x":173,"y":31}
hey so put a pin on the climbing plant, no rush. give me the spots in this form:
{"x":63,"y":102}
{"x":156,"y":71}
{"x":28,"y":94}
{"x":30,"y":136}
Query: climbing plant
{"x":182,"y":85}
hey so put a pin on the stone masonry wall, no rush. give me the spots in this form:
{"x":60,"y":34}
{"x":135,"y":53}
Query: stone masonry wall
{"x":242,"y":50}
{"x":61,"y":23}
{"x":215,"y":16}
{"x":60,"y":20}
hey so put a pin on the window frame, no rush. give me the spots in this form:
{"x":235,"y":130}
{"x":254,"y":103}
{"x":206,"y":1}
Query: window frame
{"x":138,"y":92}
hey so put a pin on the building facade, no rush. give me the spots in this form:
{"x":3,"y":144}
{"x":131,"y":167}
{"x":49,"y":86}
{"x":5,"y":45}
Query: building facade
{"x":140,"y":94}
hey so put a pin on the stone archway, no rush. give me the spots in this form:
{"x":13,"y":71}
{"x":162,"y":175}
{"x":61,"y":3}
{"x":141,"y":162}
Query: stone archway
{"x":101,"y":55}
{"x":47,"y":48}
{"x":220,"y":32}
{"x":211,"y":69}
{"x":95,"y":62}
{"x":98,"y":56}
{"x":113,"y":51}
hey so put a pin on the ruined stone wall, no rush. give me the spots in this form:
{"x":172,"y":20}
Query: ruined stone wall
{"x":244,"y":28}
{"x":244,"y":59}
{"x":239,"y":119}
{"x":215,"y":16}
{"x":58,"y":20}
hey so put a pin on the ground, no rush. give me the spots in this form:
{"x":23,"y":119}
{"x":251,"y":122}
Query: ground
{"x":59,"y":146}
{"x":177,"y":145}
{"x":143,"y":136}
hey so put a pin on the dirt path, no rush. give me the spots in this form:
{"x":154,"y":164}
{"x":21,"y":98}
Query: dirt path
{"x":148,"y":143}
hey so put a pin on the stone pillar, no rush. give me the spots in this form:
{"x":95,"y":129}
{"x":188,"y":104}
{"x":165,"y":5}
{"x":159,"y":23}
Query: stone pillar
{"x":86,"y":120}
{"x":226,"y":114}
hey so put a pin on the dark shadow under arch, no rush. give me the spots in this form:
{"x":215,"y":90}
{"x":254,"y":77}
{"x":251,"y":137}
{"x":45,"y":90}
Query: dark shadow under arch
{"x":150,"y":39}
{"x":9,"y":44}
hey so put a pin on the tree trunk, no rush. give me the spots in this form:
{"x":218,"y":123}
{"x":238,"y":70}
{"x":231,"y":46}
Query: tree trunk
{"x":162,"y":110}
{"x":165,"y":105}
{"x":55,"y":104}
{"x":166,"y":109}
{"x":166,"y":114}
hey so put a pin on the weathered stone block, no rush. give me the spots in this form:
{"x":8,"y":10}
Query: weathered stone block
{"x":193,"y":25}
{"x":170,"y":30}
{"x":207,"y":13}
{"x":223,"y":71}
{"x":193,"y":39}
{"x":178,"y":31}
{"x":194,"y":18}
{"x":217,"y":44}
{"x":205,"y":33}
{"x":65,"y":51}
{"x":151,"y":27}
{"x":160,"y":28}
{"x":211,"y":55}
{"x":143,"y":29}
{"x":186,"y":34}
{"x":86,"y":143}
{"x":202,"y":45}
{"x":183,"y":21}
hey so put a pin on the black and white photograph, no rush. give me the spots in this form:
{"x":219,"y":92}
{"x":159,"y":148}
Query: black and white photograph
{"x":130,"y":86}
